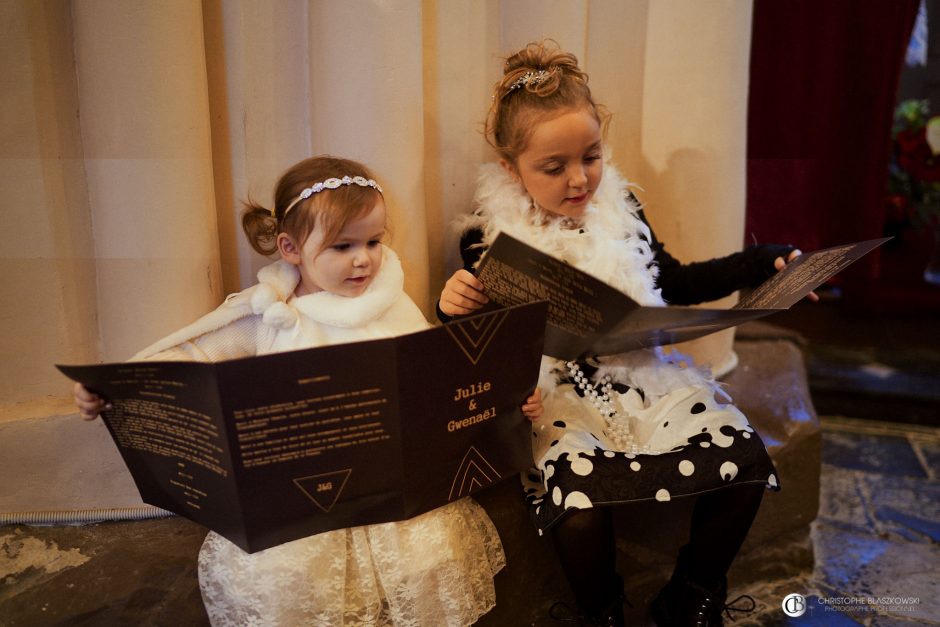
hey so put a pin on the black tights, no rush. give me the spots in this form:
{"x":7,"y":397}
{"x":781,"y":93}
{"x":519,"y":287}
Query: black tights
{"x":720,"y":522}
{"x":584,"y":542}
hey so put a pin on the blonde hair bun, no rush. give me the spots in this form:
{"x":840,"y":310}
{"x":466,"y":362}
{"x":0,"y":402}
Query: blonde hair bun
{"x":540,"y":57}
{"x":539,"y":80}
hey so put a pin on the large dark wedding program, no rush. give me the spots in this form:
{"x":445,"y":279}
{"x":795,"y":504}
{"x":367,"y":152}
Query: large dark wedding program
{"x":268,"y":449}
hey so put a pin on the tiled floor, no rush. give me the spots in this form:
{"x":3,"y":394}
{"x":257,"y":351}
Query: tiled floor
{"x":876,"y":543}
{"x":876,"y":537}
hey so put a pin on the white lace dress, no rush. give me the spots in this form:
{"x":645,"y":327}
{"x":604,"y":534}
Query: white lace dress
{"x":433,"y":570}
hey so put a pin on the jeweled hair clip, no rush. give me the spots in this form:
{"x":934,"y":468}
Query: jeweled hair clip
{"x":332,"y":183}
{"x":529,"y":78}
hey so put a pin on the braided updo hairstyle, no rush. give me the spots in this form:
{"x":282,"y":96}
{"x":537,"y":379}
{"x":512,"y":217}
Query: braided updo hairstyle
{"x":518,"y":105}
{"x":329,"y":210}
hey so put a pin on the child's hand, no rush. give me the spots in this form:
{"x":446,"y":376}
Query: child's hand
{"x":533,"y":406}
{"x":780,"y":264}
{"x":89,"y":403}
{"x":462,"y":294}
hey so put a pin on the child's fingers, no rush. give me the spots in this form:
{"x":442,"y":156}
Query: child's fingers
{"x":467,"y":286}
{"x":90,"y":411}
{"x":533,"y":407}
{"x":89,"y":404}
{"x":457,"y":306}
{"x":462,"y":294}
{"x":467,"y":278}
{"x":780,"y":264}
{"x":453,"y":303}
{"x":532,"y":412}
{"x":82,"y":393}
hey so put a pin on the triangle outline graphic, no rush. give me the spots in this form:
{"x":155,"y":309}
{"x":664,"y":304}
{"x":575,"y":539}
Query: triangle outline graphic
{"x":473,"y":472}
{"x":313,"y":496}
{"x":474,"y":345}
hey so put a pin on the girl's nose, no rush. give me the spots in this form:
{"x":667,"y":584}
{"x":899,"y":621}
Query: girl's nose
{"x":361,"y":258}
{"x":577,"y":177}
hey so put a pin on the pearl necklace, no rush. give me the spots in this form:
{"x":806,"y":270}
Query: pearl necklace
{"x":618,"y":429}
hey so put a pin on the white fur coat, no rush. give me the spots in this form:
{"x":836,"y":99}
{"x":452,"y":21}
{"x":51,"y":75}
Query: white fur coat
{"x":268,"y":318}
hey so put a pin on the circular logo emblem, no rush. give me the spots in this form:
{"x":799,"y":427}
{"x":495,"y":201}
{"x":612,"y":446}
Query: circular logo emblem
{"x":794,"y":605}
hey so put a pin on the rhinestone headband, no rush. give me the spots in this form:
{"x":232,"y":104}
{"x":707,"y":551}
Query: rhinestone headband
{"x":332,"y":183}
{"x":529,"y":78}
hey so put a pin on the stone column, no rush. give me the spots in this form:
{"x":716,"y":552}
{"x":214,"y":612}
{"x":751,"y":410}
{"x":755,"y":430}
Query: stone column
{"x":565,"y":21}
{"x":461,"y":63}
{"x":258,"y":67}
{"x":145,"y":131}
{"x":48,"y":291}
{"x":694,"y":140}
{"x":366,"y":83}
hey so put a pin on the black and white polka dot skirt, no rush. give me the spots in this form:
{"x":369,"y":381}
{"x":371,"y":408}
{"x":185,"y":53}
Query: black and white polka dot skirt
{"x":683,"y":444}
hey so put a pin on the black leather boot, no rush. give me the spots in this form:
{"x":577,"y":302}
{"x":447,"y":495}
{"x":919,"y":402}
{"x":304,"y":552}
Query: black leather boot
{"x":611,"y":615}
{"x":682,"y":602}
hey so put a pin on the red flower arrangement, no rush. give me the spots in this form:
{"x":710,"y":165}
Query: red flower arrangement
{"x":914,"y":167}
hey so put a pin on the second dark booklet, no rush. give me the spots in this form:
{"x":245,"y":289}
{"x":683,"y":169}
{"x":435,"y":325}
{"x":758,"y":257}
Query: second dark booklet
{"x":589,"y":317}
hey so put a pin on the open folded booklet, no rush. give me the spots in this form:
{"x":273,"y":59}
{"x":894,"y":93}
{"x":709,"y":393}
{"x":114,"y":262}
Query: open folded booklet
{"x":589,"y":317}
{"x":268,"y":449}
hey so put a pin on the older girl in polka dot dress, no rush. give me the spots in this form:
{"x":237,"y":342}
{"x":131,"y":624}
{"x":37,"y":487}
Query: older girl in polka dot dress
{"x":630,"y":427}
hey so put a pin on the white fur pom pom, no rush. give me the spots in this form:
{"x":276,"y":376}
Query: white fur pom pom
{"x":264,"y":297}
{"x":280,"y":315}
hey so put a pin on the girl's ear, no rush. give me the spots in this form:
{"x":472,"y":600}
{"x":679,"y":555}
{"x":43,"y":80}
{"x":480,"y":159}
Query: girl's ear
{"x":289,"y":250}
{"x":510,"y":169}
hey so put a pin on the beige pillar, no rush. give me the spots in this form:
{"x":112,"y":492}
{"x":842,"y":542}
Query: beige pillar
{"x":366,"y":81}
{"x":461,"y":63}
{"x":565,"y":21}
{"x":145,"y":128}
{"x":259,"y":90}
{"x":694,"y":137}
{"x":615,"y":60}
{"x":47,"y":292}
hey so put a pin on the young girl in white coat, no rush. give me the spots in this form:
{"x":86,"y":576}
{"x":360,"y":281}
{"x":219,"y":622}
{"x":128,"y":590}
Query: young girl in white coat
{"x":335,"y":282}
{"x":629,"y":427}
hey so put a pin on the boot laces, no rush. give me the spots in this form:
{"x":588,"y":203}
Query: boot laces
{"x":750,"y":606}
{"x":709,"y":614}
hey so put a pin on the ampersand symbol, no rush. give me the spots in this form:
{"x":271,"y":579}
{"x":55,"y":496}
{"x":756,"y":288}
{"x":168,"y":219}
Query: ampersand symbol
{"x":473,"y":404}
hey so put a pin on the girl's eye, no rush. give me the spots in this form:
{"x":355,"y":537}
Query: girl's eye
{"x":374,"y":242}
{"x":591,"y":158}
{"x":555,"y":171}
{"x":340,"y":247}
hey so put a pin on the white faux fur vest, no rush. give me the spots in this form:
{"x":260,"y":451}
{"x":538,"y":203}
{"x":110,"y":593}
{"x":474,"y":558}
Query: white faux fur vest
{"x":272,"y":299}
{"x":612,"y":244}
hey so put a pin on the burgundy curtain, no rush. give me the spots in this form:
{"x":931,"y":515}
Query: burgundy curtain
{"x":823,"y":83}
